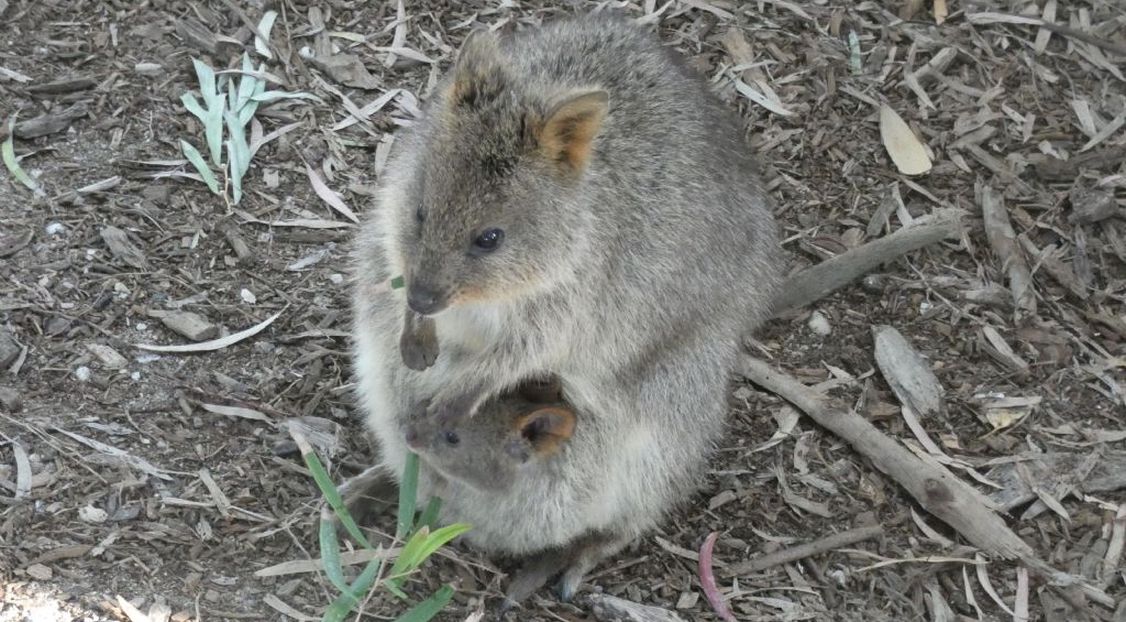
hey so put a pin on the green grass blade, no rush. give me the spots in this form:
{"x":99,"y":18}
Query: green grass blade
{"x":439,"y":538}
{"x":246,"y":83}
{"x":408,"y":495}
{"x":332,"y":497}
{"x":238,"y":142}
{"x":213,"y":130}
{"x":410,"y":556}
{"x":429,"y":516}
{"x":233,"y":173}
{"x":330,"y":557}
{"x":427,"y":609}
{"x":196,"y":158}
{"x":192,"y":105}
{"x":206,"y":76}
{"x":347,"y":601}
{"x":8,"y":155}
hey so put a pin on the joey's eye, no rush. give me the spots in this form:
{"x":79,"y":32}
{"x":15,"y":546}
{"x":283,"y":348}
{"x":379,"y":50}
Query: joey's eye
{"x":451,"y":438}
{"x":488,"y":241}
{"x":419,"y":215}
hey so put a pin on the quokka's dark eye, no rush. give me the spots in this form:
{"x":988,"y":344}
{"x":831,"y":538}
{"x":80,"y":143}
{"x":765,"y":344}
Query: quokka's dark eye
{"x":452,"y":438}
{"x":419,"y":214}
{"x":489,"y":240}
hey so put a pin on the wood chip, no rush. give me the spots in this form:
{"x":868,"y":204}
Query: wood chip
{"x":122,"y":248}
{"x":187,"y":323}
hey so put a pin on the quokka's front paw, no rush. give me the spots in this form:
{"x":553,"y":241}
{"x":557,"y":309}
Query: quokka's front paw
{"x":418,"y":345}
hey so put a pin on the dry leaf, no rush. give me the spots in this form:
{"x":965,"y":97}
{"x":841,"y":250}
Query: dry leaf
{"x":908,"y":154}
{"x":940,"y":11}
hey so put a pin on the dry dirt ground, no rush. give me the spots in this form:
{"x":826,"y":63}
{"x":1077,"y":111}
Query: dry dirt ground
{"x":125,"y":475}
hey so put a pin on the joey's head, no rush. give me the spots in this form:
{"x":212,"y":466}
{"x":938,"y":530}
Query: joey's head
{"x":492,"y":211}
{"x":489,"y":450}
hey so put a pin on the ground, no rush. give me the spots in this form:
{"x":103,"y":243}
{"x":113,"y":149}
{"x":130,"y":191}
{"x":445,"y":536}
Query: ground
{"x":147,"y":487}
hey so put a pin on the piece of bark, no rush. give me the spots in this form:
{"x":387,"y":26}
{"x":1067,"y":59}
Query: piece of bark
{"x":1003,"y":240}
{"x":197,"y":35}
{"x":1108,"y":474}
{"x":935,"y":488}
{"x":191,"y":325}
{"x":418,"y":344}
{"x":9,"y":349}
{"x":1060,"y":271}
{"x":64,"y":85}
{"x":802,"y":551}
{"x":1054,"y":169}
{"x":820,"y":280}
{"x":1090,"y":205}
{"x":346,"y":69}
{"x":50,"y":123}
{"x":238,"y":244}
{"x":608,"y":608}
{"x":10,"y":400}
{"x":119,"y":244}
{"x":906,"y":372}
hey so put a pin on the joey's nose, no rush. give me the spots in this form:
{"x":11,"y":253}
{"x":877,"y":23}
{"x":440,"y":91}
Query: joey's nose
{"x":423,"y":300}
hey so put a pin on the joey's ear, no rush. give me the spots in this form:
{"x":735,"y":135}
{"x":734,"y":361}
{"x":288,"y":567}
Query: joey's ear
{"x":547,"y":428}
{"x":566,"y":135}
{"x":478,"y":71}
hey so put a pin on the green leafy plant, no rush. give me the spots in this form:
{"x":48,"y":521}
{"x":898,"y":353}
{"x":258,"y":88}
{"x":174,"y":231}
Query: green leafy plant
{"x":421,"y":538}
{"x":8,"y":155}
{"x":232,"y":112}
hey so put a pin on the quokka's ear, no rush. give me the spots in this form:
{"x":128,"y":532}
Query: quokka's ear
{"x":547,"y":428}
{"x":478,"y":71}
{"x":566,"y":135}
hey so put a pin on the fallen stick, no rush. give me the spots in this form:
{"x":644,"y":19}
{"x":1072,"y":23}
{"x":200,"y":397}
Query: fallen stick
{"x":820,"y":280}
{"x":1003,"y":240}
{"x":937,"y":490}
{"x":802,"y":551}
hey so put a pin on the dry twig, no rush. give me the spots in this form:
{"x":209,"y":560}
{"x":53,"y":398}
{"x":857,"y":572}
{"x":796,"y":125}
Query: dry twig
{"x":935,"y":488}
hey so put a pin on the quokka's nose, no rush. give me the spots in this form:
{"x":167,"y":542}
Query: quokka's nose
{"x":424,"y":300}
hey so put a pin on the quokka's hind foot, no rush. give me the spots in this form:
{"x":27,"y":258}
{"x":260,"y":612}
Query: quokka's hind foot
{"x":571,"y":563}
{"x":364,"y":493}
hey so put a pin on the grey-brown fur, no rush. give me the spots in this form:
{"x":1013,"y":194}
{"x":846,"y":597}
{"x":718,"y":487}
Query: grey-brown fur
{"x":630,"y":279}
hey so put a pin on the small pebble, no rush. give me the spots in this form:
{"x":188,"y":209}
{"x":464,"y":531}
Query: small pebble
{"x":248,"y":296}
{"x":55,"y":228}
{"x":819,"y":324}
{"x":83,"y":374}
{"x":336,"y":278}
{"x":91,"y":514}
